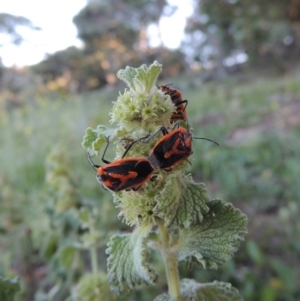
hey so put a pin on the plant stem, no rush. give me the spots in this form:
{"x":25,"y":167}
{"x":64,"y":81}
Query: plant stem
{"x":172,"y":275}
{"x":169,"y":256}
{"x":93,"y":250}
{"x":94,"y":261}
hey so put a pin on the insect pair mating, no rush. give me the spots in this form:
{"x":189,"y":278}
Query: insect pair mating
{"x":131,"y":173}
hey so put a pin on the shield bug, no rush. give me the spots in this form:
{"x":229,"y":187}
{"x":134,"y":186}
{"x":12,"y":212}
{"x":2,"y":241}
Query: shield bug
{"x":176,"y":97}
{"x":122,"y":174}
{"x":172,"y":148}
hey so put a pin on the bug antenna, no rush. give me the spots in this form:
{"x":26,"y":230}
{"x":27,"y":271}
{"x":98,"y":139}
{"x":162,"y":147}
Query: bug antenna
{"x":88,"y":156}
{"x":207,"y":140}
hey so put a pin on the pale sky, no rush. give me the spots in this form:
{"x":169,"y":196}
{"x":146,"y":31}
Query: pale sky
{"x":58,"y":32}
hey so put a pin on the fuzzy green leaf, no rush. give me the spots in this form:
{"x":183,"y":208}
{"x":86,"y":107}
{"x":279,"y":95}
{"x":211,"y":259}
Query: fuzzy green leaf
{"x":181,"y":202}
{"x":213,"y":241}
{"x":164,"y":297}
{"x":127,"y":264}
{"x":8,"y":288}
{"x":84,"y":215}
{"x":214,"y":291}
{"x":68,"y":253}
{"x":94,"y":139}
{"x":140,"y":79}
{"x":50,"y":246}
{"x":94,"y":287}
{"x":89,"y":137}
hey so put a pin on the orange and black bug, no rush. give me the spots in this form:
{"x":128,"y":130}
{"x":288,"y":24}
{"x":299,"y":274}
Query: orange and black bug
{"x":172,"y":148}
{"x":176,"y":97}
{"x":122,"y":174}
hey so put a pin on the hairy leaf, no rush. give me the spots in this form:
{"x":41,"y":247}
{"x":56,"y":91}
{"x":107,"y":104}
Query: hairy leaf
{"x":140,"y":79}
{"x":94,"y":139}
{"x":190,"y":290}
{"x":214,"y":291}
{"x":8,"y":288}
{"x":181,"y":202}
{"x":68,"y":253}
{"x":94,"y":287}
{"x":213,"y":241}
{"x":127,"y":264}
{"x":164,"y":297}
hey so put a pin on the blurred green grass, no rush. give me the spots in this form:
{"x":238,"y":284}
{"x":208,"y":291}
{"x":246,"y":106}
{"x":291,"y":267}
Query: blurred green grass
{"x":256,"y":166}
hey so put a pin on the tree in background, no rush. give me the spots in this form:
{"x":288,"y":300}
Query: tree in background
{"x":9,"y":30}
{"x":12,"y":81}
{"x":267,"y":31}
{"x":114,"y":35}
{"x":219,"y":36}
{"x":9,"y":26}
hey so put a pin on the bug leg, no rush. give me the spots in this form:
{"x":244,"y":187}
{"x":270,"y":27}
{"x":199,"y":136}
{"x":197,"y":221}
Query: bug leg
{"x":136,"y":188}
{"x":132,"y":143}
{"x":103,"y":160}
{"x":207,"y":140}
{"x":181,"y":102}
{"x":88,"y":156}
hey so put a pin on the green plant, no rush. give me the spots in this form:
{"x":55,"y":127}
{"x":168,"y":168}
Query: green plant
{"x":73,"y":239}
{"x":8,"y":288}
{"x":172,"y":214}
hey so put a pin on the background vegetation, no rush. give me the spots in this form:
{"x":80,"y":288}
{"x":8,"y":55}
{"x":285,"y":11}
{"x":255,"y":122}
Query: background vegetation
{"x":55,"y":220}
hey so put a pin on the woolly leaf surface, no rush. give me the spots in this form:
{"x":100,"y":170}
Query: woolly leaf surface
{"x":213,"y":241}
{"x":127,"y":264}
{"x":214,"y":291}
{"x":8,"y":288}
{"x":140,"y":79}
{"x":181,"y":202}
